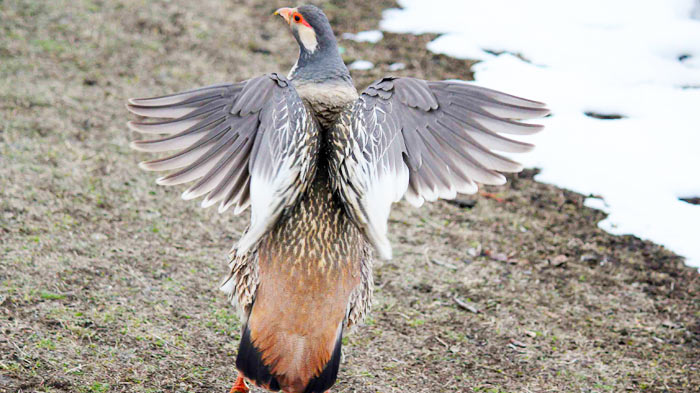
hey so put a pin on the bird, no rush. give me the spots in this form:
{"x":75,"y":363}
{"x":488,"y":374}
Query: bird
{"x":320,"y":166}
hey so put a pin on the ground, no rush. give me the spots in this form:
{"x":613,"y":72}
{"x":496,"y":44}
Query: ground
{"x":109,"y":282}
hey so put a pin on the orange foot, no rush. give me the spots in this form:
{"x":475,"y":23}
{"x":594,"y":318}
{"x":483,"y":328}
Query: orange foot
{"x":491,"y":196}
{"x":239,"y":386}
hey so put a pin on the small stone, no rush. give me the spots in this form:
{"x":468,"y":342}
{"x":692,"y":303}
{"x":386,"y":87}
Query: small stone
{"x":396,"y":66}
{"x":559,"y":260}
{"x":465,"y":306}
{"x":361,"y":65}
{"x":501,"y":257}
{"x":518,"y":343}
{"x":589,"y":258}
{"x":98,"y":236}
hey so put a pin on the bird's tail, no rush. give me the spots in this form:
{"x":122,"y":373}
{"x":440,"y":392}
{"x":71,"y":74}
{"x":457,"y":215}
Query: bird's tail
{"x":250,"y":361}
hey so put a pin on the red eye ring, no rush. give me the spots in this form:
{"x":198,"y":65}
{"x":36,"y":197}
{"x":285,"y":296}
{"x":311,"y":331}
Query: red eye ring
{"x":297,"y":18}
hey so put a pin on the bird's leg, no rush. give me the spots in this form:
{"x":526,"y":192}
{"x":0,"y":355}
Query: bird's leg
{"x":239,"y":386}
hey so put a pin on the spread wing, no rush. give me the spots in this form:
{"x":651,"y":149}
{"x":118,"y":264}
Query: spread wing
{"x":248,"y":143}
{"x":423,"y":140}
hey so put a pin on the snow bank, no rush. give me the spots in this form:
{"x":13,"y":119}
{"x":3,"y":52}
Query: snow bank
{"x":361,"y":65}
{"x":372,"y":36}
{"x":639,"y":61}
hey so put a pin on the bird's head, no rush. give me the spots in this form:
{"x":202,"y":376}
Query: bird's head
{"x":318,"y":49}
{"x":309,"y":26}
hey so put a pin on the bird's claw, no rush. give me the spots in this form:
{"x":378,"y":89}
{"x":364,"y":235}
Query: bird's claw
{"x":239,"y":386}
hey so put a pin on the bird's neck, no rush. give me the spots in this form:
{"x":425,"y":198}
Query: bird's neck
{"x":321,"y":65}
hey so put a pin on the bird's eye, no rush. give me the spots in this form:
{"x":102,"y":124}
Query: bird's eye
{"x":297,"y":18}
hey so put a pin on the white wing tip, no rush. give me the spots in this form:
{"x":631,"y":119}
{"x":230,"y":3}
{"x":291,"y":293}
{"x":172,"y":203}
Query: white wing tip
{"x":385,"y":252}
{"x":383,"y":247}
{"x":527,"y":147}
{"x":146,"y":166}
{"x":414,"y":200}
{"x":239,"y":209}
{"x":206,"y":202}
{"x":187,"y":195}
{"x":135,"y":145}
{"x":222,"y":208}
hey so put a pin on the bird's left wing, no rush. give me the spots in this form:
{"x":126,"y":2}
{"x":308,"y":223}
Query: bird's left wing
{"x":421,"y":140}
{"x":249,"y":143}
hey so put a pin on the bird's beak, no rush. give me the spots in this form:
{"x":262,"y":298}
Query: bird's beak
{"x":286,"y":13}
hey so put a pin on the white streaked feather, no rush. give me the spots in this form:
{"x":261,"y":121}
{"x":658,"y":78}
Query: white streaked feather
{"x":173,"y":99}
{"x":413,"y":198}
{"x":499,"y":143}
{"x":515,"y":112}
{"x":507,"y":127}
{"x":238,"y":162}
{"x":210,"y":184}
{"x":240,"y":208}
{"x":176,"y":161}
{"x":163,"y":128}
{"x":235,"y":201}
{"x":495,"y":162}
{"x":228,"y":287}
{"x":466,"y":187}
{"x":499,"y":96}
{"x":193,"y":174}
{"x":158,"y":145}
{"x":165,"y":113}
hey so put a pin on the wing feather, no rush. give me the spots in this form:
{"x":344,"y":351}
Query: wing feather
{"x":251,"y":143}
{"x":421,"y":140}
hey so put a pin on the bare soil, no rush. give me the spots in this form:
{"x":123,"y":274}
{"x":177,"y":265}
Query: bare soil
{"x":108,"y":283}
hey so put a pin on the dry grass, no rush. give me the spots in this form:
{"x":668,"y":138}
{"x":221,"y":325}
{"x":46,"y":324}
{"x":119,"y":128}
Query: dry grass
{"x":108,"y":282}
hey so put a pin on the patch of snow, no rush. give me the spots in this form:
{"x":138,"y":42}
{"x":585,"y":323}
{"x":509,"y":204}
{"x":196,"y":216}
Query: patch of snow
{"x":624,"y":57}
{"x":362,"y":65}
{"x":397,"y":66}
{"x":372,"y":36}
{"x":597,"y":203}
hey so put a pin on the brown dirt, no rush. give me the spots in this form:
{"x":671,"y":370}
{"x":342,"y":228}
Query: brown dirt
{"x":108,"y":282}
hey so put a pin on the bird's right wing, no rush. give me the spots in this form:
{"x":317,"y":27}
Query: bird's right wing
{"x":421,"y":140}
{"x":249,"y":143}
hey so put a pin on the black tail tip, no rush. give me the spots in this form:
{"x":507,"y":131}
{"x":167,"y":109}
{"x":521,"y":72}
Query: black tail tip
{"x":326,"y":379}
{"x":249,"y":362}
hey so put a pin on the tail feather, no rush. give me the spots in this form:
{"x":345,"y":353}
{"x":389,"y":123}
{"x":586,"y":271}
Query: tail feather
{"x":327,"y":378}
{"x":249,"y":362}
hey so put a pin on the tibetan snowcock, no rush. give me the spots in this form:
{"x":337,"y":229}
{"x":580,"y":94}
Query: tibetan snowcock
{"x":320,"y":166}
